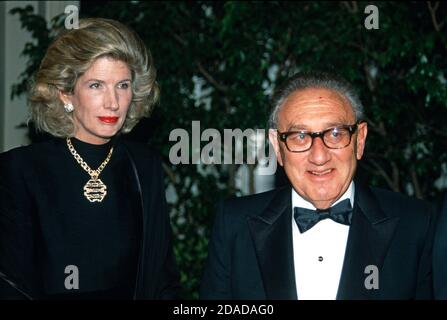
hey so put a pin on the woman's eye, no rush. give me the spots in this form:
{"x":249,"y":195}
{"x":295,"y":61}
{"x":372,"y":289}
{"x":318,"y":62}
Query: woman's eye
{"x":124,"y":85}
{"x":94,"y":85}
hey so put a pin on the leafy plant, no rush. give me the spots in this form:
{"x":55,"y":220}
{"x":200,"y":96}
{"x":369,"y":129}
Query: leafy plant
{"x":219,"y":62}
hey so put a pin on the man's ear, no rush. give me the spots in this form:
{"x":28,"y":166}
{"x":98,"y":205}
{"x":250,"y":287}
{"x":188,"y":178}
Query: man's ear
{"x":273,"y":137}
{"x":362,"y":132}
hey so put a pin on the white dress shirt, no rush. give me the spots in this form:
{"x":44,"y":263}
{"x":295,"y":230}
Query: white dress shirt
{"x":319,"y":252}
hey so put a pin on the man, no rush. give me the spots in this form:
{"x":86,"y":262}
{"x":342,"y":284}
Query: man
{"x":327,"y":237}
{"x":440,"y":255}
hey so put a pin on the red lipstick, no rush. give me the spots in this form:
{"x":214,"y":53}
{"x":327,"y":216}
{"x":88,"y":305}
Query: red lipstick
{"x":108,"y":119}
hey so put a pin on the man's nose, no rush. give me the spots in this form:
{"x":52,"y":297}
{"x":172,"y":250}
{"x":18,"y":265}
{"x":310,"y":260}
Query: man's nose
{"x":319,"y":154}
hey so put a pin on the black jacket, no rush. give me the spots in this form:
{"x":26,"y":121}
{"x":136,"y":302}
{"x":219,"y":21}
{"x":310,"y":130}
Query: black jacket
{"x":251,"y":253}
{"x":20,"y":273}
{"x":440,"y":254}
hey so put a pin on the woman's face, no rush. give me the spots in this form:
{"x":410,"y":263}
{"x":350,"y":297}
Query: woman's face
{"x":101,"y":99}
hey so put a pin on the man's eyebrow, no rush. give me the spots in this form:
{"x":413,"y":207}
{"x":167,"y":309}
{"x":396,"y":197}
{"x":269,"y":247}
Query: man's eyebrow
{"x":297,"y":127}
{"x":302,"y":127}
{"x":337,"y":124}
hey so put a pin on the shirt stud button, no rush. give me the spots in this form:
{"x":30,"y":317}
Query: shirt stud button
{"x":320,"y":258}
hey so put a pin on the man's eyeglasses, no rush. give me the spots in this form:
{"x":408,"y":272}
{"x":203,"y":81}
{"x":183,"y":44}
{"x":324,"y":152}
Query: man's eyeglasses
{"x":333,"y":138}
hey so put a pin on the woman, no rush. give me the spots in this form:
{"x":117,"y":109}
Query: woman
{"x":83,"y":215}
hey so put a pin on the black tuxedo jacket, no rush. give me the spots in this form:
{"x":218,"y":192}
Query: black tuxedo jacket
{"x":440,"y":255}
{"x":251,"y":255}
{"x":20,"y":274}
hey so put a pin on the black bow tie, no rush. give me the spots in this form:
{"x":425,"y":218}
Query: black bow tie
{"x":307,"y":218}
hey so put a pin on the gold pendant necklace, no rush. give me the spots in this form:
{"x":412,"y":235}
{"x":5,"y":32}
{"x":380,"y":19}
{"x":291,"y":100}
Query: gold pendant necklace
{"x":94,"y":190}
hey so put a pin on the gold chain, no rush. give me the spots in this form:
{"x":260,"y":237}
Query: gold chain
{"x":93,"y":173}
{"x":94,"y":190}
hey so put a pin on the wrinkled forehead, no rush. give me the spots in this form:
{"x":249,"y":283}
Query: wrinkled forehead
{"x":316,"y":108}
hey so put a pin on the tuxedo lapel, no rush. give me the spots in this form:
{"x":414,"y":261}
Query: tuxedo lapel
{"x":369,"y":238}
{"x":271,"y":232}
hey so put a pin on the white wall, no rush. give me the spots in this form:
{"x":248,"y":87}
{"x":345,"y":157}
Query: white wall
{"x":12,"y":41}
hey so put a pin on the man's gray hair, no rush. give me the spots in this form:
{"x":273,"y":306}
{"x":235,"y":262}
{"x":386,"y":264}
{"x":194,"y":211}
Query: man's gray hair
{"x":301,"y":81}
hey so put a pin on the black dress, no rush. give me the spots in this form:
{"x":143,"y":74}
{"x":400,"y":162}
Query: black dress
{"x":100,"y":239}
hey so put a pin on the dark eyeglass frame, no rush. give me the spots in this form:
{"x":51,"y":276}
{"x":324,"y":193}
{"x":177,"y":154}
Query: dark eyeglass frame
{"x":351,"y":129}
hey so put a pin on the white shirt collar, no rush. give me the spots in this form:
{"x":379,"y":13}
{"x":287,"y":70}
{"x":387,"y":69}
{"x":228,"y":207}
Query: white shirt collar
{"x":299,"y":201}
{"x":317,"y":279}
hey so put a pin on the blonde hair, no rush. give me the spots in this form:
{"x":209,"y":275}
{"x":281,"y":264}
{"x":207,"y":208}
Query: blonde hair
{"x":71,"y":54}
